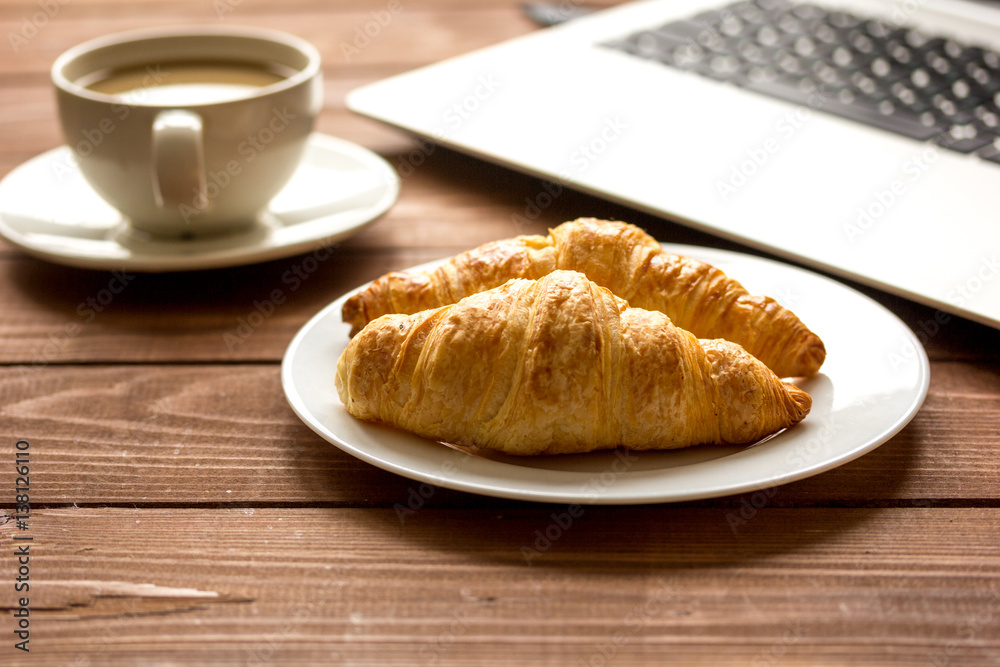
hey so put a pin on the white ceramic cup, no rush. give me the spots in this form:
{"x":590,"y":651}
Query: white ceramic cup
{"x":189,"y":130}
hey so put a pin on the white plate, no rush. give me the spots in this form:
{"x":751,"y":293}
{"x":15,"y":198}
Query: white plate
{"x":48,"y":210}
{"x":874,"y":380}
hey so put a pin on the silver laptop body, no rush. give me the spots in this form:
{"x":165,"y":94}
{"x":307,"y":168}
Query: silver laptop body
{"x":904,"y":215}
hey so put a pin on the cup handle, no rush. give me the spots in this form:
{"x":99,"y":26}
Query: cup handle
{"x":178,"y":160}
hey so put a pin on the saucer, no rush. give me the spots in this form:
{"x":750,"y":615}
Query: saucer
{"x":48,"y":210}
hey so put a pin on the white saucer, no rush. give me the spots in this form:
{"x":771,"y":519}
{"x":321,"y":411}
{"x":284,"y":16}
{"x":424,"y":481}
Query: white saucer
{"x":49,"y":211}
{"x":874,"y":380}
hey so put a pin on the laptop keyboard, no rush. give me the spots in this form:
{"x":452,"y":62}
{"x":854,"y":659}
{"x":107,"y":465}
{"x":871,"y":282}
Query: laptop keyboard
{"x":885,"y":75}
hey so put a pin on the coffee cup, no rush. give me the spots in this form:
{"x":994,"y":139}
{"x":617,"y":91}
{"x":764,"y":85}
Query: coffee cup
{"x":189,"y":131}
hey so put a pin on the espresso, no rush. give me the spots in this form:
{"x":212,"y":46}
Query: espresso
{"x":184,"y":83}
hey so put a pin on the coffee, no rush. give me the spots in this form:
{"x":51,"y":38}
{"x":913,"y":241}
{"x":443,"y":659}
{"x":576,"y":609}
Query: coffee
{"x":183,"y":83}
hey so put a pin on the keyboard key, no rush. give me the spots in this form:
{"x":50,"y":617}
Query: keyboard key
{"x":768,"y":36}
{"x":988,"y":115}
{"x":825,"y":34}
{"x":990,"y":59}
{"x":751,"y":14}
{"x":724,"y":66}
{"x":710,"y":17}
{"x":899,"y":52}
{"x":843,"y":20}
{"x":730,"y":25}
{"x":808,"y":12}
{"x":759,"y":74}
{"x":954,"y":50}
{"x":921,"y":41}
{"x":688,"y":56}
{"x":965,"y":139}
{"x":653,"y":45}
{"x":683,"y":30}
{"x":991,"y":153}
{"x":804,"y":46}
{"x":988,"y":128}
{"x":861,"y":42}
{"x":865,"y":84}
{"x":830,"y":76}
{"x":926,"y":82}
{"x":844,"y":57}
{"x":790,"y":25}
{"x":878,"y":29}
{"x":774,"y":5}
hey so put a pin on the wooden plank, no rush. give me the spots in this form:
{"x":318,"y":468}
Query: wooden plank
{"x":14,"y":9}
{"x":56,"y":314}
{"x":811,"y":586}
{"x":155,"y":435}
{"x":414,"y":35}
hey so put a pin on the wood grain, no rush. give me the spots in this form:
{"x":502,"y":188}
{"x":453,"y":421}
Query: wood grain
{"x":449,"y":204}
{"x":412,"y":36}
{"x":182,"y":514}
{"x":449,"y":587}
{"x":160,"y":435}
{"x":55,"y":315}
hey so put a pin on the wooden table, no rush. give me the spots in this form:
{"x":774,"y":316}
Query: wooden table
{"x":181,"y":514}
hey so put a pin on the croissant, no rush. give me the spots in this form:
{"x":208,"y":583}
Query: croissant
{"x":559,"y":365}
{"x":695,"y":295}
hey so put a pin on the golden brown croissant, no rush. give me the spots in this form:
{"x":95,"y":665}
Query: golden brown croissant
{"x":559,"y":365}
{"x":695,"y":295}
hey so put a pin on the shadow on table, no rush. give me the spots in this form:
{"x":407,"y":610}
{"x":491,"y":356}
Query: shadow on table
{"x":722,"y":532}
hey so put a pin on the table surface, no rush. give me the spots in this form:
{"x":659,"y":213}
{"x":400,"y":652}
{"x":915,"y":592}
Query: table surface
{"x":181,"y":514}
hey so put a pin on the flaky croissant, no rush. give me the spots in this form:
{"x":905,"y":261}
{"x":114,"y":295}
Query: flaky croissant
{"x":695,"y":295}
{"x":559,"y":365}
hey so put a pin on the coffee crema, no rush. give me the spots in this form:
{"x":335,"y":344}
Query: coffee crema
{"x":184,"y":83}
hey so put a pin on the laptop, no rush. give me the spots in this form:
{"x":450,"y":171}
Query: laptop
{"x":856,"y":137}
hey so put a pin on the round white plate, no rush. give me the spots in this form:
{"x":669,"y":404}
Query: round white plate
{"x":49,"y":210}
{"x":874,"y":380}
